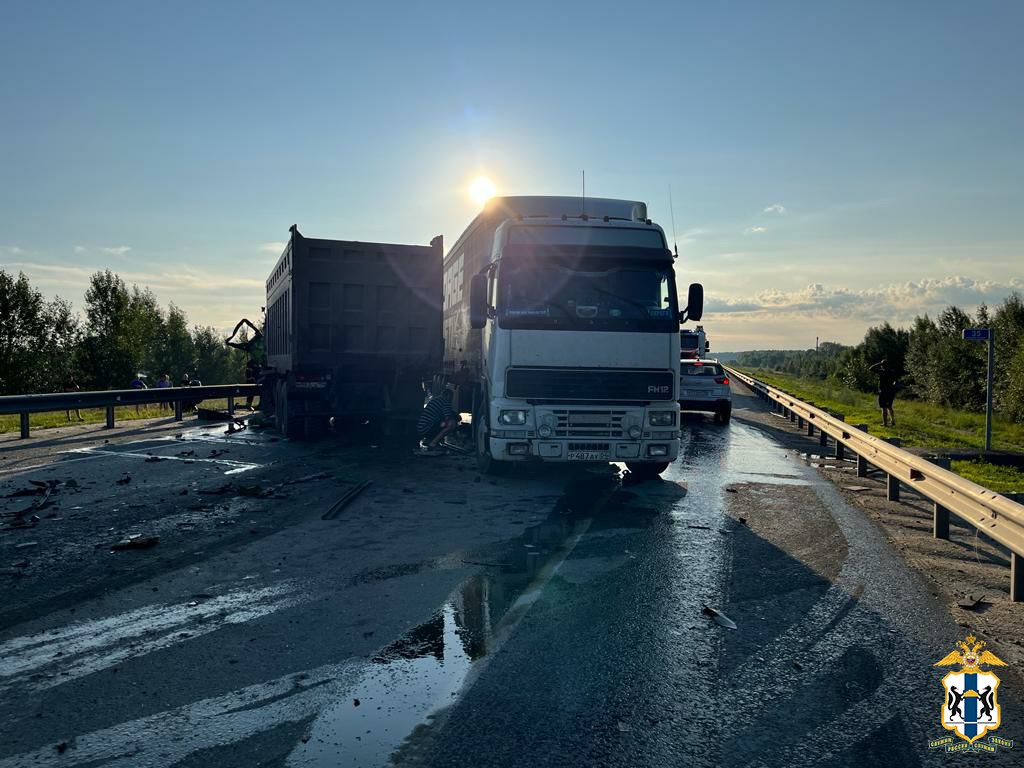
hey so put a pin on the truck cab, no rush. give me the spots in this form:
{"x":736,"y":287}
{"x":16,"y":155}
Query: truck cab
{"x":578,"y":322}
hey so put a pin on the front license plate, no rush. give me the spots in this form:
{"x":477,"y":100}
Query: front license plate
{"x":588,"y":456}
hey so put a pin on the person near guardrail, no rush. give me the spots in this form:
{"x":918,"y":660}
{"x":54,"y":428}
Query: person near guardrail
{"x":188,"y":381}
{"x":887,"y":386}
{"x":72,"y":386}
{"x":163,"y":383}
{"x":138,"y":383}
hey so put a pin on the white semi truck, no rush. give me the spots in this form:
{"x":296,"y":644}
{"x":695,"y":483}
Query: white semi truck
{"x":561,"y":327}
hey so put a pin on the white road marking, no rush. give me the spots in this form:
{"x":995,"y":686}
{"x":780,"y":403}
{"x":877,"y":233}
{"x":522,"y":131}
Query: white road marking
{"x":86,"y":647}
{"x":236,"y":466}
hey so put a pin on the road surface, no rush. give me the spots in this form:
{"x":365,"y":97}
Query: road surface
{"x":441,"y":618}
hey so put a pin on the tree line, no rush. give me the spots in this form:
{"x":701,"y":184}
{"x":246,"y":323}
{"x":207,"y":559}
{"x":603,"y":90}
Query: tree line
{"x":933,"y":361}
{"x":45,"y":346}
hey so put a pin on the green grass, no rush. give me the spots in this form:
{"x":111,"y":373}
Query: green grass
{"x":98,"y":415}
{"x":918,"y":425}
{"x":991,"y":476}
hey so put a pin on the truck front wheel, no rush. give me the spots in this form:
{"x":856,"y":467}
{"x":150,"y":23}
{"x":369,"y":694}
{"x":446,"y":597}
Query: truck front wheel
{"x":284,"y":413}
{"x":485,"y":463}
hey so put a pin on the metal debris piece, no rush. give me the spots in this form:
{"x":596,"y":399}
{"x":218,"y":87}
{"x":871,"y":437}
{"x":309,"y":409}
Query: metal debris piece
{"x":125,"y":479}
{"x":136,"y":542}
{"x":970,"y":602}
{"x":720,"y":618}
{"x":857,"y":488}
{"x":345,"y":500}
{"x":731,"y":490}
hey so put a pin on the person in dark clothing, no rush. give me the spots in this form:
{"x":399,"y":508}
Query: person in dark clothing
{"x":436,"y":421}
{"x":886,"y":391}
{"x":252,"y":376}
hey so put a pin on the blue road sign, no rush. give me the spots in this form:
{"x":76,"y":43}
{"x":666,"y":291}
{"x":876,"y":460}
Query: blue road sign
{"x":977,"y":334}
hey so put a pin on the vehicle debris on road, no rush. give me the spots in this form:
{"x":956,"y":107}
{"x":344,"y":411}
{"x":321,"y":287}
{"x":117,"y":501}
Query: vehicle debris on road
{"x":136,"y":542}
{"x":720,"y":618}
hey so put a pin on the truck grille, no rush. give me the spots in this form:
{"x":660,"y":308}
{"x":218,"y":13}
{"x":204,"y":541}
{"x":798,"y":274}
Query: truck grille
{"x":589,"y":446}
{"x":552,"y":384}
{"x":588,"y":423}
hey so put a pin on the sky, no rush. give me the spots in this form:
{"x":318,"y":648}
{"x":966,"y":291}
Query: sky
{"x":832,"y":165}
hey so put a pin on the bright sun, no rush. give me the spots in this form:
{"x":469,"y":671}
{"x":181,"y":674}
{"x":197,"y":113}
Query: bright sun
{"x":482,"y":189}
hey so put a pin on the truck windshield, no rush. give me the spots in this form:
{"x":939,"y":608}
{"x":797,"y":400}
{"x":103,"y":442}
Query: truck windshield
{"x":599,"y":294}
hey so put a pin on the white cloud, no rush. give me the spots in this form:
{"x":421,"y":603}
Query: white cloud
{"x":117,"y":250}
{"x":13,"y":250}
{"x":275,"y":248}
{"x":755,"y":230}
{"x":895,"y":302}
{"x":778,"y":208}
{"x":80,"y":249}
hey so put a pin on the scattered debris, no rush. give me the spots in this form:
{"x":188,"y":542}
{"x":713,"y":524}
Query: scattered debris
{"x":27,"y":545}
{"x":797,"y":666}
{"x":970,"y":602}
{"x":125,"y":479}
{"x":700,"y":527}
{"x":345,"y":500}
{"x":187,"y":453}
{"x":731,"y":490}
{"x":743,"y":521}
{"x":308,"y":478}
{"x":62,"y":747}
{"x":152,"y":459}
{"x":856,"y":488}
{"x":624,"y":727}
{"x":355,"y":702}
{"x":720,"y":618}
{"x":137,"y":541}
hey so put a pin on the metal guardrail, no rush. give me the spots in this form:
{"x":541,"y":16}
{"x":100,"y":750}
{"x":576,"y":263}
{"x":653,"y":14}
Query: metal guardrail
{"x":998,"y":517}
{"x":113,"y":398}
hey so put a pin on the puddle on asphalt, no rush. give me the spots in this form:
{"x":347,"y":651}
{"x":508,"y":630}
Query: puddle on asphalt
{"x":740,"y":454}
{"x":413,"y":679}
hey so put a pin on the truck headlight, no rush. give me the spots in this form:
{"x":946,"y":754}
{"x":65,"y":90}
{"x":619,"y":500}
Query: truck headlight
{"x":512,"y":418}
{"x":663,"y":418}
{"x":634,"y":432}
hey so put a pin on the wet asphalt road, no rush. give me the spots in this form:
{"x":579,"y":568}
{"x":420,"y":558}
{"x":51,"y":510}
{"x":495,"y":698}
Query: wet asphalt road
{"x":543,"y":618}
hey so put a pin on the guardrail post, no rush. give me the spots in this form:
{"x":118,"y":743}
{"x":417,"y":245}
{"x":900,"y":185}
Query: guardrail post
{"x":892,"y":488}
{"x":24,"y":426}
{"x":800,"y":422}
{"x":940,"y":522}
{"x":810,"y":429}
{"x":862,"y":466}
{"x":177,"y":410}
{"x":792,"y":415}
{"x":110,"y":417}
{"x":231,"y":406}
{"x":823,"y":439}
{"x":1016,"y":578}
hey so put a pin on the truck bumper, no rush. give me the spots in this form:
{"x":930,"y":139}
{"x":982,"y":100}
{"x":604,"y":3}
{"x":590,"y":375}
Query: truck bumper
{"x":580,"y":451}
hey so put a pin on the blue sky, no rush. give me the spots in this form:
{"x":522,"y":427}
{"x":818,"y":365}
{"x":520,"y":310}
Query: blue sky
{"x":832,"y":164}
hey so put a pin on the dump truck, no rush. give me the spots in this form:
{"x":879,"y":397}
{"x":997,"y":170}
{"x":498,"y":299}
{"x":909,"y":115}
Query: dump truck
{"x":561,"y":327}
{"x":693,"y":343}
{"x":352,"y":332}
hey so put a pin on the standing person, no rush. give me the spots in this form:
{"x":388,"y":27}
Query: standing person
{"x":163,"y":383}
{"x":138,"y":383}
{"x":72,"y":386}
{"x":252,"y":375}
{"x":436,"y":421}
{"x":188,"y":381}
{"x":886,"y":391}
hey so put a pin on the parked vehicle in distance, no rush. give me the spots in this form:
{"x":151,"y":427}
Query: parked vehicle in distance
{"x":562,"y":332}
{"x":704,"y":386}
{"x":693,"y":343}
{"x":352,"y":331}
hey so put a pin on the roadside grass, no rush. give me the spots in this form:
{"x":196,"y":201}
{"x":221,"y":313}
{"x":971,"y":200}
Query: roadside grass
{"x":991,"y":476}
{"x":918,"y":425}
{"x":12,"y":423}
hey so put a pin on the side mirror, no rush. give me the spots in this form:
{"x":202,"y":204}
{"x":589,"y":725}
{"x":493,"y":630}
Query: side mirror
{"x":478,"y":301}
{"x":694,"y":303}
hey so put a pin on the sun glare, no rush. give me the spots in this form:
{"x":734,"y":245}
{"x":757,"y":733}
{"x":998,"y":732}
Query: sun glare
{"x":481,"y":190}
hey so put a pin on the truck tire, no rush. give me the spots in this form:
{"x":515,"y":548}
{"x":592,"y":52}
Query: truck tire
{"x":485,"y":463}
{"x":723,"y":414}
{"x":646,"y":470}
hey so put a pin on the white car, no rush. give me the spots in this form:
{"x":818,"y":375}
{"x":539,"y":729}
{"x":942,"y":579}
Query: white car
{"x":704,"y":386}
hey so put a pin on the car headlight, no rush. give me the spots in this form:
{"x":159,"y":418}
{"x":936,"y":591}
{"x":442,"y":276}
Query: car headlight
{"x":663,"y":418}
{"x":512,"y":418}
{"x":545,"y":430}
{"x":634,"y":432}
